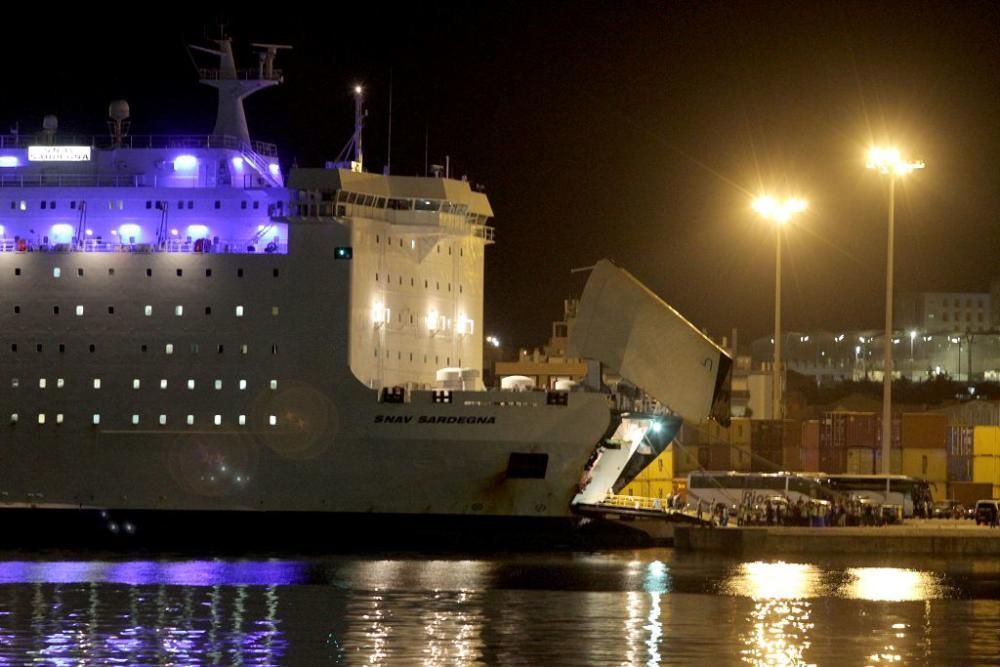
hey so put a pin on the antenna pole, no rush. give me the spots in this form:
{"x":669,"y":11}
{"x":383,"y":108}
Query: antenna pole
{"x":388,"y":150}
{"x":359,"y":118}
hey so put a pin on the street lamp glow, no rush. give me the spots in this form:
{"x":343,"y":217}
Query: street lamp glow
{"x":780,"y":212}
{"x":889,"y":161}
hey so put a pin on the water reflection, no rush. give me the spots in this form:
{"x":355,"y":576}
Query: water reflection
{"x":891,"y":584}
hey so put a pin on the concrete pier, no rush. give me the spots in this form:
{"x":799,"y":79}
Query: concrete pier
{"x":923,"y":537}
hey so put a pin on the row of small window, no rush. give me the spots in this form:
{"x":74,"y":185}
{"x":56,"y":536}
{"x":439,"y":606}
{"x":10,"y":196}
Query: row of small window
{"x":137,"y":383}
{"x":272,"y":420}
{"x":167,"y":349}
{"x":437,"y":283}
{"x":957,"y":317}
{"x":958,"y":303}
{"x":413,"y":245}
{"x":57,"y":272}
{"x":119,"y":204}
{"x":147,"y":310}
{"x":437,"y":359}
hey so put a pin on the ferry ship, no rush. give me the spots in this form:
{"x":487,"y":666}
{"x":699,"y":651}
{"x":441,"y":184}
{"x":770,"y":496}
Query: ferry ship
{"x":192,"y":346}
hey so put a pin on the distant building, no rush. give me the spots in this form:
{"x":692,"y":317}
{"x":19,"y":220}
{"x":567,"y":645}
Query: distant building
{"x":940,"y":312}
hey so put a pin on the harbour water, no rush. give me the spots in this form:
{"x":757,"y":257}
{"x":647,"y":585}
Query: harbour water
{"x":644,"y":607}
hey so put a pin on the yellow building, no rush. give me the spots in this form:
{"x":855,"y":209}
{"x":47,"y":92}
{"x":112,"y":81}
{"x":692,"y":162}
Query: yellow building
{"x":986,"y":457}
{"x":930,"y":464}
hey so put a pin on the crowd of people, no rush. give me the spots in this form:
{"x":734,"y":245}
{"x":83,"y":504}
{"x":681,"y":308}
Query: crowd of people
{"x":778,"y":511}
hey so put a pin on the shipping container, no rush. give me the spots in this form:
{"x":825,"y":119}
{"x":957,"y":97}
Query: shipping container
{"x":922,"y":430}
{"x":895,"y":462}
{"x":766,"y":434}
{"x":960,"y":440}
{"x":739,"y":458}
{"x":959,"y":468}
{"x":791,"y":434}
{"x":719,"y":457}
{"x":833,"y":460}
{"x":986,"y":469}
{"x":810,"y":434}
{"x":810,"y":460}
{"x":849,"y":429}
{"x":860,"y":461}
{"x":967,"y":493}
{"x":766,"y":460}
{"x":685,"y":459}
{"x":986,"y":441}
{"x":927,"y":463}
{"x":739,"y":431}
{"x":791,"y":458}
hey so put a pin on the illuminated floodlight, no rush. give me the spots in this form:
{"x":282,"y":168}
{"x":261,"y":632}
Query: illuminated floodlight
{"x":890,"y":161}
{"x":238,"y":162}
{"x":274,"y":168}
{"x":61,"y":233}
{"x":185,"y":163}
{"x":130,"y":231}
{"x":781,"y":212}
{"x":9,"y":161}
{"x":197,"y":231}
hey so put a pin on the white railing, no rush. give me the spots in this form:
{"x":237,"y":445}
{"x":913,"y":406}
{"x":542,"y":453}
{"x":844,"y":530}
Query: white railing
{"x":141,"y":141}
{"x":224,"y":247}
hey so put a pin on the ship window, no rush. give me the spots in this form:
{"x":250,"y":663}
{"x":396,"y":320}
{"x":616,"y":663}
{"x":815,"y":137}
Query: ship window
{"x":59,"y":419}
{"x":143,"y":347}
{"x":15,"y":383}
{"x":136,"y":383}
{"x":55,"y":310}
{"x":244,"y":348}
{"x":62,"y":347}
{"x":149,"y":273}
{"x":95,"y":419}
{"x":121,"y":204}
{"x":218,"y":385}
{"x":194,"y":348}
{"x":97,"y":383}
{"x":17,"y":271}
{"x":380,"y":202}
{"x":243,"y":385}
{"x":274,"y":348}
{"x":376,"y":277}
{"x":149,"y":204}
{"x":239,"y":273}
{"x":274,"y":311}
{"x":243,"y":420}
{"x":351,"y":197}
{"x":275,"y":272}
{"x":60,"y":383}
{"x":169,"y":348}
{"x":135,"y":419}
{"x":79,"y":310}
{"x":38,"y":347}
{"x":378,"y":239}
{"x":190,"y":384}
{"x":111,"y":310}
{"x":163,"y":384}
{"x":190,"y":420}
{"x":56,"y":272}
{"x":43,"y":204}
{"x":273,"y":384}
{"x":23,"y":205}
{"x":256,"y":205}
{"x":111,"y":271}
{"x":163,"y":420}
{"x":178,"y":310}
{"x":459,"y":289}
{"x":180,"y":272}
{"x":272,"y":420}
{"x":13,"y":347}
{"x":220,"y":348}
{"x":41,"y":417}
{"x":208,"y":310}
{"x":17,"y":309}
{"x":180,"y":205}
{"x":369,"y":200}
{"x":190,"y":204}
{"x":426,"y":205}
{"x":79,"y":272}
{"x":218,"y":204}
{"x":243,"y":204}
{"x":218,"y":420}
{"x":41,"y":383}
{"x":239,"y":311}
{"x":208,"y":273}
{"x":13,"y":418}
{"x":147,"y":310}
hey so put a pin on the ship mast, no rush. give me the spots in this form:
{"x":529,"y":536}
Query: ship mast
{"x":233,"y":85}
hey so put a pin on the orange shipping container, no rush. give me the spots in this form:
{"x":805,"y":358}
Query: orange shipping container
{"x":810,"y":434}
{"x":924,"y":431}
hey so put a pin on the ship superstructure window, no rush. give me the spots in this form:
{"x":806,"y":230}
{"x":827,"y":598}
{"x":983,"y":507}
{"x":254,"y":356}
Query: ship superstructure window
{"x":163,"y":420}
{"x":17,"y":309}
{"x":135,"y":419}
{"x":38,"y":347}
{"x":79,"y":272}
{"x":41,"y":383}
{"x":273,"y":384}
{"x":208,"y":310}
{"x":147,"y":310}
{"x":190,"y":384}
{"x":242,"y":419}
{"x":15,"y":383}
{"x":97,"y":383}
{"x":79,"y":310}
{"x":178,"y":310}
{"x":272,"y":420}
{"x":62,"y":347}
{"x":218,"y":420}
{"x":168,"y":348}
{"x":136,"y":383}
{"x":41,"y":417}
{"x":92,"y":347}
{"x":243,"y":385}
{"x":275,"y":273}
{"x":239,"y":273}
{"x":56,"y":272}
{"x":244,"y":349}
{"x":95,"y":419}
{"x":55,"y":310}
{"x":149,"y":273}
{"x":163,"y":384}
{"x":208,"y":273}
{"x":111,"y":271}
{"x":218,"y":385}
{"x":59,"y":418}
{"x":274,"y":311}
{"x":239,"y":311}
{"x":111,"y":310}
{"x":180,"y":272}
{"x":17,"y":271}
{"x":190,"y":420}
{"x":60,"y":383}
{"x":219,"y":348}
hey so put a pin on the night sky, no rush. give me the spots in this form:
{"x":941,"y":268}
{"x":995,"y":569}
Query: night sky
{"x":637,"y":131}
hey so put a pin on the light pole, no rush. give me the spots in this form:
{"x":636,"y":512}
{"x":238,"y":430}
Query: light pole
{"x":888,"y":161}
{"x":780,"y":212}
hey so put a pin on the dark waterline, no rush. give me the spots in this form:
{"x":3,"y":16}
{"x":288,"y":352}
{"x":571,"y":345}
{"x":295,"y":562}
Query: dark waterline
{"x":642,"y":607}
